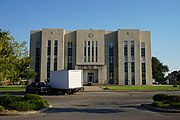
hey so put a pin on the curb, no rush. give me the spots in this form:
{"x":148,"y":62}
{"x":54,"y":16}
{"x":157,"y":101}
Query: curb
{"x":160,"y":109}
{"x":129,"y":91}
{"x":12,"y":113}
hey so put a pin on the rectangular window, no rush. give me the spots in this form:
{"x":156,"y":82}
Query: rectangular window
{"x":84,"y":51}
{"x":143,"y":73}
{"x":96,"y":51}
{"x":126,"y":78}
{"x":55,"y":54}
{"x":55,"y":64}
{"x":126,"y":73}
{"x":132,"y":51}
{"x":69,"y":44}
{"x":88,"y":51}
{"x":69,"y":64}
{"x":92,"y":51}
{"x":37,"y":61}
{"x":49,"y":47}
{"x":111,"y":63}
{"x":133,"y":78}
{"x":48,"y":59}
{"x":143,"y":63}
{"x":125,"y":51}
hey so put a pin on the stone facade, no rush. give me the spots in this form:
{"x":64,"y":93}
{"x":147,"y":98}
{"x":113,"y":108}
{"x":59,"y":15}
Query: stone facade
{"x":121,"y":57}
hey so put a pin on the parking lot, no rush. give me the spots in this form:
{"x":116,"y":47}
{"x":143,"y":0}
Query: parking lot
{"x":100,"y":105}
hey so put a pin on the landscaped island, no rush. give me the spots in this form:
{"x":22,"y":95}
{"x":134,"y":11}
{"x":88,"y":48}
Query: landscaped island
{"x":28,"y":102}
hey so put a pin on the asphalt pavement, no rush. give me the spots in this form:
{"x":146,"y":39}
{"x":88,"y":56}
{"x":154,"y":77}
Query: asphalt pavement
{"x":100,"y":106}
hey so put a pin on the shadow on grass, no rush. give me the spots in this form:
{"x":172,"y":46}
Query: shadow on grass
{"x":12,"y":93}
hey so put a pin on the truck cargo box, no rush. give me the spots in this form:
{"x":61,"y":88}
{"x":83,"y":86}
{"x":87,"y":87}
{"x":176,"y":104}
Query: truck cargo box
{"x":66,"y":79}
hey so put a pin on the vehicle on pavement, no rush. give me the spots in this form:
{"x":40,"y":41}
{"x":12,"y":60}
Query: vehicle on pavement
{"x":66,"y":81}
{"x":38,"y":88}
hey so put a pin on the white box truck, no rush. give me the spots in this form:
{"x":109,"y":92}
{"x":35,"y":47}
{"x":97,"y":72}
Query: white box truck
{"x":66,"y":81}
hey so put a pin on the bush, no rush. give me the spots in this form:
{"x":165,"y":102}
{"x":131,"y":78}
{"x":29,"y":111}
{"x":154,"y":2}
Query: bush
{"x":175,"y":105}
{"x":173,"y":98}
{"x":38,"y":104}
{"x":160,"y":97}
{"x":26,"y":103}
{"x":32,"y":97}
{"x":175,"y":85}
{"x":22,"y":106}
{"x":7,"y":100}
{"x":1,"y":108}
{"x":158,"y":104}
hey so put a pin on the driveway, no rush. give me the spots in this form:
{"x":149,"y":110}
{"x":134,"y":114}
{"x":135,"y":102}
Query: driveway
{"x":100,"y":106}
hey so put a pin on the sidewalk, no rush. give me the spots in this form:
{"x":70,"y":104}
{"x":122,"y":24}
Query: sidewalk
{"x":92,"y":88}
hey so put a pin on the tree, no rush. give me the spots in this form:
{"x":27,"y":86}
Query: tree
{"x":14,"y":59}
{"x":158,"y":70}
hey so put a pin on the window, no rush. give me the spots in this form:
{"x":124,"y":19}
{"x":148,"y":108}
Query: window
{"x":126,"y":78}
{"x":96,"y":51}
{"x":143,"y":73}
{"x":92,"y":51}
{"x":69,"y":44}
{"x":125,"y":48}
{"x":88,"y":51}
{"x":49,"y":48}
{"x":84,"y":51}
{"x":133,"y":78}
{"x":37,"y":61}
{"x":69,"y":64}
{"x":143,"y":61}
{"x":48,"y":58}
{"x":111,"y":63}
{"x":55,"y":54}
{"x":55,"y":64}
{"x":142,"y":44}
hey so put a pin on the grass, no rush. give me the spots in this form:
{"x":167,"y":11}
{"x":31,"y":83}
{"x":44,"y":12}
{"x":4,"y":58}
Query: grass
{"x":160,"y":87}
{"x":12,"y":88}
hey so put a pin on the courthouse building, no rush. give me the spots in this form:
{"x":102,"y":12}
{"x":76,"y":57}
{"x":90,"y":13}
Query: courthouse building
{"x":121,"y":57}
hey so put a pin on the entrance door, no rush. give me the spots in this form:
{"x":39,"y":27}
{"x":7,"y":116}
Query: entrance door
{"x":90,"y":77}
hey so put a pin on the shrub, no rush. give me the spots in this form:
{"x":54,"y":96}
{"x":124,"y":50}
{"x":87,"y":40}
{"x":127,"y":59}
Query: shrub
{"x":158,"y":104}
{"x":173,"y":98}
{"x":38,"y":104}
{"x":175,"y":105}
{"x":160,"y":97}
{"x":32,"y":97}
{"x":22,"y":106}
{"x":26,"y":103}
{"x":1,"y":108}
{"x":175,"y":85}
{"x":7,"y":100}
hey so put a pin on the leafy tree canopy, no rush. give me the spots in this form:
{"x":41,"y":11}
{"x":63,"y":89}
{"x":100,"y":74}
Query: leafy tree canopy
{"x":14,"y":59}
{"x":158,"y":70}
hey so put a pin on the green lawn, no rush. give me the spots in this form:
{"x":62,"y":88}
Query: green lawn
{"x":12,"y":88}
{"x":160,"y":87}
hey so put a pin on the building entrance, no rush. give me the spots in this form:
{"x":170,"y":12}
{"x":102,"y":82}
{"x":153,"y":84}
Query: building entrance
{"x":90,"y":78}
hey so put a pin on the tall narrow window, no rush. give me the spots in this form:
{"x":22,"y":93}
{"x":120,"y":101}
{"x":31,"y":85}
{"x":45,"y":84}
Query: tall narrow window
{"x":111,"y":63}
{"x":37,"y":61}
{"x":48,"y":59}
{"x":96,"y":51}
{"x":70,"y":55}
{"x":88,"y":51}
{"x":55,"y":54}
{"x":143,"y":63}
{"x":84,"y":51}
{"x":92,"y":51}
{"x":132,"y":64}
{"x":126,"y":62}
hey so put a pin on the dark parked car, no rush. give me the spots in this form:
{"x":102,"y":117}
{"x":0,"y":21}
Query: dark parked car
{"x":38,"y":88}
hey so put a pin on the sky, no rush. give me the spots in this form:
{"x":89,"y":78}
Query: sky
{"x":161,"y":17}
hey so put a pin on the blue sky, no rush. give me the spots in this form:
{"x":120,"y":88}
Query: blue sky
{"x":161,"y":17}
